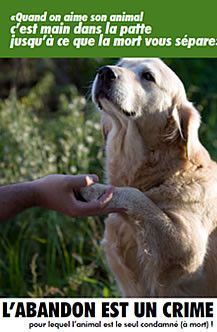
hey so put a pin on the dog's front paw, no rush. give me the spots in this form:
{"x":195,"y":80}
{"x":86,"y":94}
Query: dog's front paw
{"x":93,"y":192}
{"x":130,"y":199}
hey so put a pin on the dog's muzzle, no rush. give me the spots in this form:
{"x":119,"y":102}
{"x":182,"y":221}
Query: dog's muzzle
{"x":105,"y":78}
{"x":107,"y":74}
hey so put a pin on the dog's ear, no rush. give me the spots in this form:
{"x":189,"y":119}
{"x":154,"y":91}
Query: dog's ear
{"x":187,"y":121}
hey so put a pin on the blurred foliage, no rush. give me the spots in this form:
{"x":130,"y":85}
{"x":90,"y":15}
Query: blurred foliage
{"x":48,"y":125}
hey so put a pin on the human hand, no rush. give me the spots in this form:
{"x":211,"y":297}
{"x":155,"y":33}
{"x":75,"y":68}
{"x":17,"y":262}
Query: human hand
{"x":58,"y":192}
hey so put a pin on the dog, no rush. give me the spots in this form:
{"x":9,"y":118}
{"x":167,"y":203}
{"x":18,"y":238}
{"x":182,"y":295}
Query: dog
{"x":165,"y":245}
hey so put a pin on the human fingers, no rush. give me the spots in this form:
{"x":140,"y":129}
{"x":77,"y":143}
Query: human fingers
{"x":83,"y":180}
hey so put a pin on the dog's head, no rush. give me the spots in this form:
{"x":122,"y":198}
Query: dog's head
{"x":149,"y":93}
{"x":137,"y":87}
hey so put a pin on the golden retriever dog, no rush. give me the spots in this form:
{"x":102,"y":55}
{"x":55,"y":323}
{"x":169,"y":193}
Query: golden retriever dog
{"x":166,"y":242}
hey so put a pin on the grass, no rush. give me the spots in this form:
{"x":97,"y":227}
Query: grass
{"x":43,"y":253}
{"x":47,"y":254}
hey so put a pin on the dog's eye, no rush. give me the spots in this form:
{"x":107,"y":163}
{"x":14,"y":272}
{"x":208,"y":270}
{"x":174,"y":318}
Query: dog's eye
{"x":147,"y":76}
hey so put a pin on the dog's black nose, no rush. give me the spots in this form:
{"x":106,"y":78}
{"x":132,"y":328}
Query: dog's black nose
{"x":107,"y":73}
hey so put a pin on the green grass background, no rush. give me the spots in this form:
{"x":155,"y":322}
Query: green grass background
{"x":48,"y":125}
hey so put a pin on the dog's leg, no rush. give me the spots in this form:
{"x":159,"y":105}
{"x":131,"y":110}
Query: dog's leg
{"x":149,"y":225}
{"x":121,"y":252}
{"x":174,"y":254}
{"x":134,"y":201}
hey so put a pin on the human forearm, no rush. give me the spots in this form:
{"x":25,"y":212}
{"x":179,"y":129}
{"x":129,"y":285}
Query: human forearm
{"x":15,"y":198}
{"x":54,"y":192}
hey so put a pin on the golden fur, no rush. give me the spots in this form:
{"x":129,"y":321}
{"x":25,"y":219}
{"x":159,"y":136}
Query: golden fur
{"x":166,"y":244}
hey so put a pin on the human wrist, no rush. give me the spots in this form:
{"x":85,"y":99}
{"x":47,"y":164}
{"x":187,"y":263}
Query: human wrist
{"x":36,"y":192}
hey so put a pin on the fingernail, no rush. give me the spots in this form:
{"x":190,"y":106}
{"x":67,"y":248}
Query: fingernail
{"x":91,"y":179}
{"x":94,"y":177}
{"x":107,"y":197}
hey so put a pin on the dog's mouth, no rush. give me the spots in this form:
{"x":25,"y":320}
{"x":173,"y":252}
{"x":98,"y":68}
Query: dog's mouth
{"x":116,"y":105}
